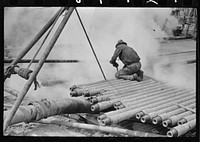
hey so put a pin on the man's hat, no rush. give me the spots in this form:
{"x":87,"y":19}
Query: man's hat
{"x":120,"y":42}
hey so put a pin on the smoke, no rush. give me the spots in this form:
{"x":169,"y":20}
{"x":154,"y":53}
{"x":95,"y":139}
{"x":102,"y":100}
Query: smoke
{"x":22,"y":23}
{"x":140,"y":28}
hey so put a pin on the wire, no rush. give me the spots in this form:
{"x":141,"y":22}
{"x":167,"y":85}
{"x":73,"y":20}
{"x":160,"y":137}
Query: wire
{"x":90,"y":43}
{"x":93,"y":50}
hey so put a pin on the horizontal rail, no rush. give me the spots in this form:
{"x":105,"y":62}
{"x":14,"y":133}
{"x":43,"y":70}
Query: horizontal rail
{"x":46,"y":61}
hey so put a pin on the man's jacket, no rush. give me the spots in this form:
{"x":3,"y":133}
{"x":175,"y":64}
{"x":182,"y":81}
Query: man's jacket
{"x":126,"y":54}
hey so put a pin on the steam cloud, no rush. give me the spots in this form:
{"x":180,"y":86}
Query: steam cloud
{"x":140,"y":28}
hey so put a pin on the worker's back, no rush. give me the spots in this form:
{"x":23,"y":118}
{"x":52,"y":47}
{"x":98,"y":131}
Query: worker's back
{"x":128,"y":55}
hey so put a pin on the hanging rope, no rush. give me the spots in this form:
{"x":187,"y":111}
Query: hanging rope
{"x":90,"y":43}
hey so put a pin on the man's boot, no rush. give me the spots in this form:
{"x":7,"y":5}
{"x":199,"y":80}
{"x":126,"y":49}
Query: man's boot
{"x":133,"y":77}
{"x":140,"y":76}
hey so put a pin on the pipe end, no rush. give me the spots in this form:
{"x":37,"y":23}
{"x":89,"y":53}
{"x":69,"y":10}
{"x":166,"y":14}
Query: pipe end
{"x":120,"y":107}
{"x":157,"y":120}
{"x":95,"y":108}
{"x":117,"y":104}
{"x":182,"y":121}
{"x":101,"y":117}
{"x":167,"y":123}
{"x":105,"y":121}
{"x":139,"y":114}
{"x":172,"y":133}
{"x":73,"y":93}
{"x":86,"y":93}
{"x":145,"y":119}
{"x":93,"y":101}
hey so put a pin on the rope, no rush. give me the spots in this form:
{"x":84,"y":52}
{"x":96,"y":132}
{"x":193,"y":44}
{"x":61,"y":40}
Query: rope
{"x":44,"y":39}
{"x":90,"y":43}
{"x":94,"y":51}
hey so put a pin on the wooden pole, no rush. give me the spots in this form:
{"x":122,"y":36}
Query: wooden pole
{"x":37,"y":68}
{"x":32,"y":43}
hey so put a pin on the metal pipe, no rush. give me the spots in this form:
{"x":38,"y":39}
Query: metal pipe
{"x":102,"y":106}
{"x":183,"y":101}
{"x":99,"y":99}
{"x":124,"y":89}
{"x":129,"y":93}
{"x":107,"y":104}
{"x":159,"y":93}
{"x":119,"y":94}
{"x":92,"y":83}
{"x":134,"y":84}
{"x":37,"y":68}
{"x":101,"y":85}
{"x":158,"y":104}
{"x":34,"y":40}
{"x":153,"y":99}
{"x":120,"y":107}
{"x":140,"y":105}
{"x":162,"y":117}
{"x":113,"y":130}
{"x":77,"y":92}
{"x":93,"y":92}
{"x":182,"y":129}
{"x":86,"y":93}
{"x":46,"y":61}
{"x":120,"y":85}
{"x":148,"y":97}
{"x":186,"y":119}
{"x":97,"y":83}
{"x":151,"y":114}
{"x":130,"y":112}
{"x":171,"y":121}
{"x":44,"y":108}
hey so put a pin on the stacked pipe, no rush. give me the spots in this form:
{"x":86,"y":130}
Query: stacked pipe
{"x":119,"y":84}
{"x":131,"y":98}
{"x":134,"y":98}
{"x":182,"y":129}
{"x":108,"y":84}
{"x":123,"y":91}
{"x":131,"y":111}
{"x":149,"y":84}
{"x":148,"y":101}
{"x":148,"y":114}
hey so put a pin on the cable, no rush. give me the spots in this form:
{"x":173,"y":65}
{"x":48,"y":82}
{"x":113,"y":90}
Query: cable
{"x":93,"y":49}
{"x":90,"y":43}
